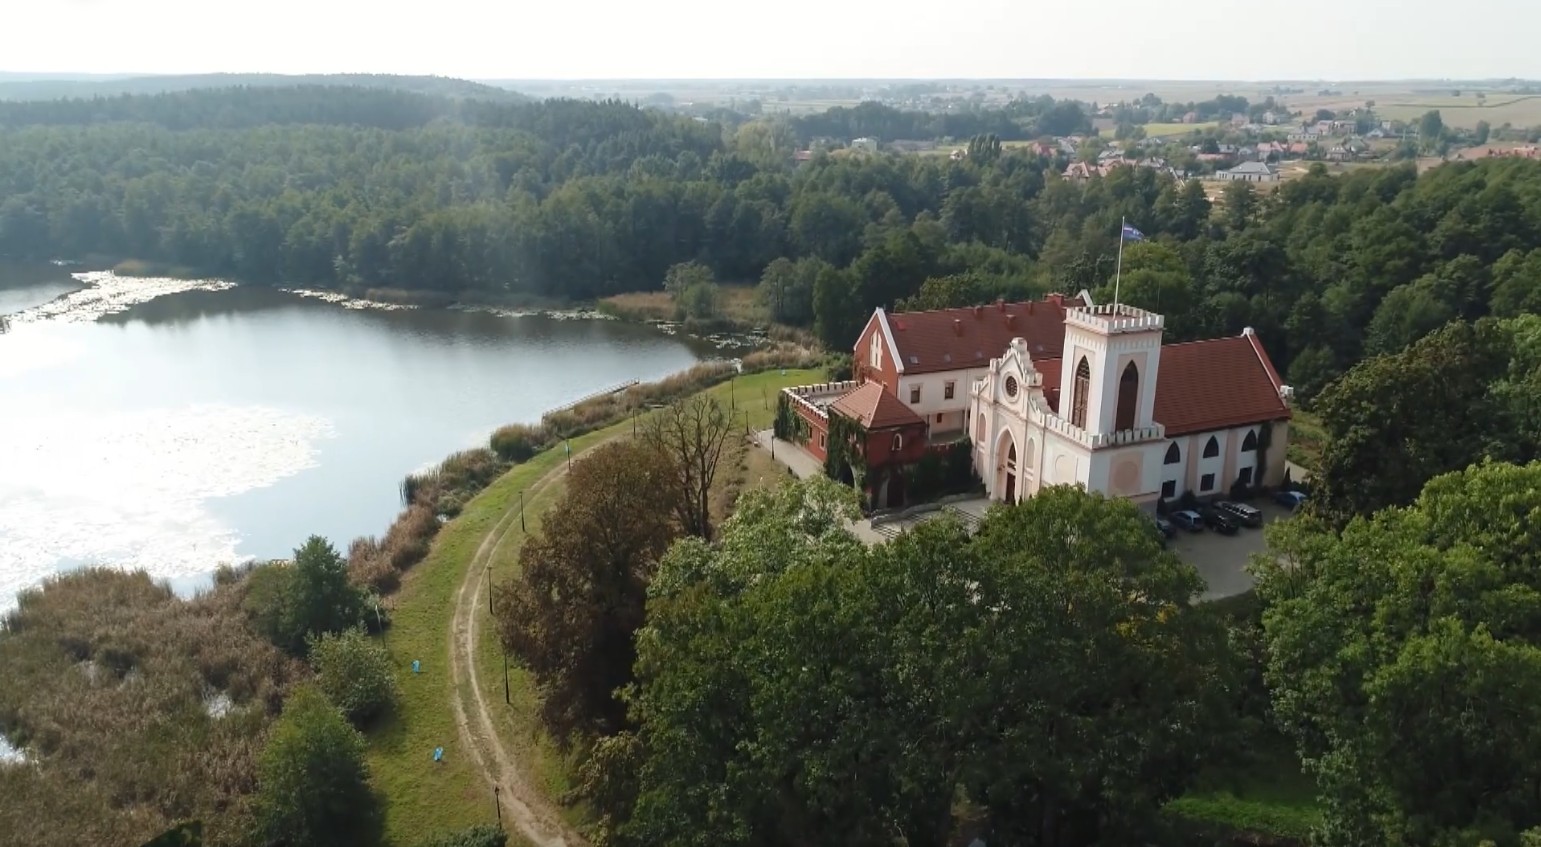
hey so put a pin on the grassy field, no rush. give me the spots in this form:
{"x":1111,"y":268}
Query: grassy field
{"x":1271,"y":797}
{"x":738,"y":303}
{"x":425,"y":797}
{"x":1165,"y":130}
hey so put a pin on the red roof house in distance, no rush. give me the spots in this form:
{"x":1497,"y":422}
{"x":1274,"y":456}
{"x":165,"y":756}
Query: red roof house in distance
{"x":1055,"y":391}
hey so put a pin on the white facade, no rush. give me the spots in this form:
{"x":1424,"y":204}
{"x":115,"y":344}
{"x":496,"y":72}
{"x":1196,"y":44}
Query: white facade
{"x":1104,"y":435}
{"x":927,"y":396}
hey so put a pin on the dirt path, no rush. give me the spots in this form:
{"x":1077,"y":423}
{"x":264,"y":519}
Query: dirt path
{"x":532,"y":814}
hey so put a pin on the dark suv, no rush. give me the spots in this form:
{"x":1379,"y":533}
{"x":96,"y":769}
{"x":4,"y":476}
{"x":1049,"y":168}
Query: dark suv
{"x":1220,"y":521}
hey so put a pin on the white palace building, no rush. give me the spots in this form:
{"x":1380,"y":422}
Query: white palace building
{"x":1118,"y":412}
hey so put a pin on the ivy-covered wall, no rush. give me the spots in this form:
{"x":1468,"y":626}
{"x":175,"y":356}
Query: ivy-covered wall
{"x":789,"y":425}
{"x":845,"y":448}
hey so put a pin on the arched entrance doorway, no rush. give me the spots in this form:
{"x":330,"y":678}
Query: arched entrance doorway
{"x":1007,"y":481}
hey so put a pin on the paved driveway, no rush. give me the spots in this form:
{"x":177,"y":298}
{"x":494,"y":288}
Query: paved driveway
{"x":1222,"y":559}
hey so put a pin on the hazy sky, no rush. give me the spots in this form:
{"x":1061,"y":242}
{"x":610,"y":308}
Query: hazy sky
{"x":1167,"y":39}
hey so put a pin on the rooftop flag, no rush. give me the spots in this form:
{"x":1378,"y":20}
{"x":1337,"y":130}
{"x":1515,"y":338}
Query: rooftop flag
{"x":1132,"y":234}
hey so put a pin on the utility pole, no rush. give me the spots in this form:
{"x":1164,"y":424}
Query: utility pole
{"x":569,"y":445}
{"x":489,"y":589}
{"x":497,"y":803}
{"x":521,"y":513}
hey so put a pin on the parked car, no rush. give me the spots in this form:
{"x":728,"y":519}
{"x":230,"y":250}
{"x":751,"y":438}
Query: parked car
{"x":1244,"y":514}
{"x":1165,"y":527}
{"x":1219,"y":521}
{"x":1289,"y":499}
{"x":1189,"y":520}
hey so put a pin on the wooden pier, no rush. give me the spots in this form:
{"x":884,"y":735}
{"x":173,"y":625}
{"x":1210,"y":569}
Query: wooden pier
{"x":614,"y":389}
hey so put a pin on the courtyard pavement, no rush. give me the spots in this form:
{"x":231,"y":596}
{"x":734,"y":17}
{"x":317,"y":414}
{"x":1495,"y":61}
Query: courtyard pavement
{"x":1221,"y":560}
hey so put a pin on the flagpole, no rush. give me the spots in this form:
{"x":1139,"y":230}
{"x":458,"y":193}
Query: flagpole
{"x":1119,"y":270}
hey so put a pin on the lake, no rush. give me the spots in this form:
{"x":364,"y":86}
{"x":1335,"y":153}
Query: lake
{"x":207,"y":426}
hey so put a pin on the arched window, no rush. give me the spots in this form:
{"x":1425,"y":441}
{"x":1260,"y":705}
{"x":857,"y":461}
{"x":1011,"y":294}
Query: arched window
{"x":1128,"y":397}
{"x":898,"y":442}
{"x":1249,"y":443}
{"x":1083,"y":388}
{"x":1211,"y":448}
{"x":1173,"y":455}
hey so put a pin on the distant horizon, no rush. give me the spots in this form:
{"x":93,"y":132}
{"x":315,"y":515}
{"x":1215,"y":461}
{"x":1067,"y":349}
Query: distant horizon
{"x":1185,"y":40}
{"x":87,"y":76}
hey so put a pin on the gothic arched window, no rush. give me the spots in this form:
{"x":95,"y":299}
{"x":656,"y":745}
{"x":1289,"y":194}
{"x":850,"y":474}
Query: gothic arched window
{"x":1211,"y":448}
{"x":1082,"y":389}
{"x":1128,"y":397}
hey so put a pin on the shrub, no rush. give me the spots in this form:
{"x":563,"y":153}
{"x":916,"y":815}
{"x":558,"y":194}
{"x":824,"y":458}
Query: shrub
{"x":838,"y":366}
{"x":290,"y":603}
{"x":313,"y":784}
{"x":782,"y":356}
{"x":446,"y":487}
{"x":470,"y":470}
{"x":518,"y":442}
{"x":407,"y":541}
{"x":604,"y":410}
{"x":369,"y":567}
{"x":355,"y":674}
{"x":481,"y":835}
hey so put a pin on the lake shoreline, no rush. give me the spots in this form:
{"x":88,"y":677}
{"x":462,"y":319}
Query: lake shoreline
{"x":723,"y":332}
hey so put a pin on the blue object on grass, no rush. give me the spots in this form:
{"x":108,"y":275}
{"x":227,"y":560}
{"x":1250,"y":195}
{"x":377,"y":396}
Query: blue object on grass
{"x":438,"y":754}
{"x":417,"y":666}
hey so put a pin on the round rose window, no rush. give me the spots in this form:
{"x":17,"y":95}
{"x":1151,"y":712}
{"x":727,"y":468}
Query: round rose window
{"x":1011,"y":386}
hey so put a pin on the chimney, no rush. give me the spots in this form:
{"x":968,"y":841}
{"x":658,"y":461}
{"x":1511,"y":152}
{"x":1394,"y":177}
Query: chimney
{"x":979,"y":311}
{"x":1011,"y":321}
{"x":1057,"y":299}
{"x":1000,"y":304}
{"x":957,"y":327}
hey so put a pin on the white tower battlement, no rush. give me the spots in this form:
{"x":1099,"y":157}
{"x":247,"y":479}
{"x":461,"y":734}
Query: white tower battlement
{"x":1114,"y":318}
{"x":1108,"y":370}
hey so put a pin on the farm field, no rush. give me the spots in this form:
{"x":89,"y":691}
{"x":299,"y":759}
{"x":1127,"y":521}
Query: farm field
{"x":1166,"y":130}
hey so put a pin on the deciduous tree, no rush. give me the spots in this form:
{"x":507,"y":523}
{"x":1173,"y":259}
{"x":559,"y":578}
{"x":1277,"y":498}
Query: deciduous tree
{"x":313,"y":786}
{"x":1395,"y":422}
{"x":797,"y":687}
{"x":690,"y":434}
{"x":1405,"y":660}
{"x":295,"y":602}
{"x":570,"y":615}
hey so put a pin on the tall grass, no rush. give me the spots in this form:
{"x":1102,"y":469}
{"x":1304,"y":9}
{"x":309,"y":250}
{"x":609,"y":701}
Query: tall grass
{"x":108,"y":678}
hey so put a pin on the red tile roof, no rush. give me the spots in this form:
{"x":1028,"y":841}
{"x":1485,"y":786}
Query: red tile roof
{"x":1216,"y":384}
{"x":874,"y":408}
{"x":951,"y":339}
{"x":1204,"y":385}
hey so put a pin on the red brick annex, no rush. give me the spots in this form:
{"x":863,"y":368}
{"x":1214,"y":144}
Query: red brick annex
{"x":975,"y":394}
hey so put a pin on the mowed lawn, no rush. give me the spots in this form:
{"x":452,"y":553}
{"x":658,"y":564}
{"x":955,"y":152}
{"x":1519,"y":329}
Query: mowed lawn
{"x":423,"y":797}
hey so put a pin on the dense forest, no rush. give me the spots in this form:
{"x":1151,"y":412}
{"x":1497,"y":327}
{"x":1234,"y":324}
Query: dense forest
{"x":359,"y":188}
{"x":56,"y":89}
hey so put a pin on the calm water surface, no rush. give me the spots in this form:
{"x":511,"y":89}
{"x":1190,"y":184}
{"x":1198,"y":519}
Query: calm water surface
{"x":212,"y":426}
